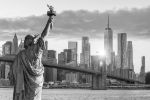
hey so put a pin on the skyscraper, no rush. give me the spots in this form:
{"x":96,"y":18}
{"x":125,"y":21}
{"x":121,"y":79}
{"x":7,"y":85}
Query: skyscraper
{"x":21,"y":46}
{"x":61,"y":61}
{"x":95,"y":61}
{"x":51,"y":73}
{"x":51,"y":54}
{"x":44,"y":56}
{"x":73,"y":47}
{"x":85,"y":59}
{"x":129,"y":56}
{"x":15,"y":45}
{"x":68,"y":56}
{"x":73,"y":76}
{"x":108,"y":43}
{"x":113,"y":62}
{"x":46,"y":45}
{"x":64,"y":58}
{"x":122,"y":41}
{"x":61,"y":58}
{"x":142,"y":72}
{"x":108,"y":47}
{"x":85,"y":55}
{"x":6,"y":49}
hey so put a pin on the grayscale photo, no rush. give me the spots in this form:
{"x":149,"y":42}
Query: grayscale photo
{"x":75,"y":50}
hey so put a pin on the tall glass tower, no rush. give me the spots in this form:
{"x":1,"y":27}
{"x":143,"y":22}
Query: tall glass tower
{"x":73,"y":46}
{"x":108,"y":44}
{"x":85,"y":55}
{"x":122,"y":46}
{"x":130,"y":56}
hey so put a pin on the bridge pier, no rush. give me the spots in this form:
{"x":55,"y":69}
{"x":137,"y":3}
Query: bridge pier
{"x":98,"y":82}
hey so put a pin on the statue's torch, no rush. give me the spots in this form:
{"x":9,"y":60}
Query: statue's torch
{"x":51,"y":13}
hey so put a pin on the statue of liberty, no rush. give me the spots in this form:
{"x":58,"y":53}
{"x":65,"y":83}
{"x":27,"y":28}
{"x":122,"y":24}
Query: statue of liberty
{"x":27,"y":68}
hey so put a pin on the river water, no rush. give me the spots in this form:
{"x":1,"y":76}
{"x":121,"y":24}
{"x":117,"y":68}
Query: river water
{"x":83,"y":94}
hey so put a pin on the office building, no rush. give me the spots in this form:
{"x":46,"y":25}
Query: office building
{"x":108,"y":45}
{"x":15,"y":45}
{"x":21,"y":46}
{"x":142,"y":72}
{"x":129,"y":56}
{"x":73,"y":46}
{"x":95,"y":61}
{"x":122,"y":45}
{"x":68,"y":56}
{"x":61,"y":61}
{"x":5,"y":66}
{"x":51,"y":73}
{"x":85,"y":54}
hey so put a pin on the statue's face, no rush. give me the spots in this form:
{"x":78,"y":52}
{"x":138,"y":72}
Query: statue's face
{"x":29,"y":41}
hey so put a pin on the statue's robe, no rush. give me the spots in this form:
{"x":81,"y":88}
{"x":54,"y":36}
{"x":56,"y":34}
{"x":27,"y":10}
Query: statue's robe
{"x":28,"y":73}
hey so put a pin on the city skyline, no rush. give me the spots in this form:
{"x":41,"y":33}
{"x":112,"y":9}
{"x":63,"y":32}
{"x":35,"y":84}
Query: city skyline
{"x":121,"y":64}
{"x":131,"y":18}
{"x":124,"y":55}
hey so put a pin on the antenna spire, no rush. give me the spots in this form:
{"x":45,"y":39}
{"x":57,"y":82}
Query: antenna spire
{"x":108,"y":22}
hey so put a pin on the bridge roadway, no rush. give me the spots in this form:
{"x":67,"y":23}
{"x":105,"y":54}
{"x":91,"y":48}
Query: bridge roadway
{"x":97,"y":76}
{"x":10,"y":58}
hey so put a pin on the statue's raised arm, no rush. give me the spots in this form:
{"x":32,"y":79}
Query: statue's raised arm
{"x":49,"y":24}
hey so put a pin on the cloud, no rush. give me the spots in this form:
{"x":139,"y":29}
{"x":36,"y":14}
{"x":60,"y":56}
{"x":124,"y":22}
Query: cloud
{"x":73,"y":24}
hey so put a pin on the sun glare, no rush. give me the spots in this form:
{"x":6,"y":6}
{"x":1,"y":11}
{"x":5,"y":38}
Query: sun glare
{"x":101,"y":53}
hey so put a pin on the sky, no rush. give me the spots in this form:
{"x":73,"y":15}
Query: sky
{"x":77,"y":18}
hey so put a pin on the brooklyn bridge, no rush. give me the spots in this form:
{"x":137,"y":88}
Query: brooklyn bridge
{"x":99,"y":76}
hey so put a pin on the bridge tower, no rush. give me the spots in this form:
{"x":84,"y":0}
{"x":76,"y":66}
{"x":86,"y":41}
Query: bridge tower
{"x":99,"y":81}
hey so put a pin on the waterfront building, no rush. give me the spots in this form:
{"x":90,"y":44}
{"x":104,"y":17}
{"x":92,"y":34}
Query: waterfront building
{"x":71,"y":60}
{"x":85,"y":59}
{"x":61,"y":61}
{"x":129,"y":56}
{"x":5,"y":66}
{"x":122,"y":45}
{"x":64,"y":58}
{"x":72,"y":77}
{"x":108,"y":45}
{"x":2,"y":70}
{"x":51,"y":73}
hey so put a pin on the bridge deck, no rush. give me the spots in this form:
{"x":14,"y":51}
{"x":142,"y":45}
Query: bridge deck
{"x":10,"y":58}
